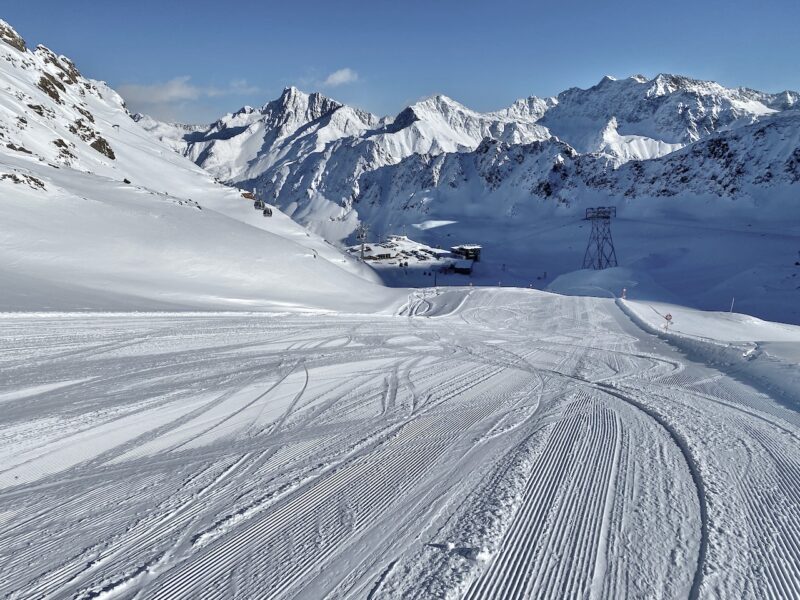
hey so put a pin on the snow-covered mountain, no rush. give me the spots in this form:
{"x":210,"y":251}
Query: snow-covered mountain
{"x":717,"y":219}
{"x":95,"y":212}
{"x":309,"y":153}
{"x":759,"y":159}
{"x":637,"y":118}
{"x":705,"y":179}
{"x":672,"y":153}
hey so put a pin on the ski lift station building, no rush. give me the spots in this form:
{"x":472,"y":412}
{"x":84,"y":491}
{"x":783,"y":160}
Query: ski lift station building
{"x":375,"y":252}
{"x":463,"y":266}
{"x":467,"y":251}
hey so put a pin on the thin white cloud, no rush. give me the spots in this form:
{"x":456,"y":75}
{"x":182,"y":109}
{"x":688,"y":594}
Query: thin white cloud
{"x":240,"y":86}
{"x":340,"y":77}
{"x":174,"y":90}
{"x":169,"y":99}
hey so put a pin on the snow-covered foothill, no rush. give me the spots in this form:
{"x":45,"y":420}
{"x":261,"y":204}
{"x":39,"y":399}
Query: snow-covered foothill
{"x":98,"y":214}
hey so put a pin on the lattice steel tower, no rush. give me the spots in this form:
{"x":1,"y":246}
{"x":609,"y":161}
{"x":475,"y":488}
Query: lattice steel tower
{"x":600,"y":253}
{"x":362,"y":232}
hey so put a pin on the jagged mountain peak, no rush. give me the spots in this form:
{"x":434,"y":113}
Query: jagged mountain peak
{"x":654,"y":116}
{"x":665,"y":84}
{"x":439,"y":102}
{"x":529,"y":109}
{"x":291,"y":90}
{"x":314,"y":105}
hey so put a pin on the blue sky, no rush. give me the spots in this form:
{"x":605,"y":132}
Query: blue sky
{"x":194,"y":61}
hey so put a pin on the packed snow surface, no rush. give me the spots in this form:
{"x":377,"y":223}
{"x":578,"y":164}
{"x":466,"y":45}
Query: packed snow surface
{"x":479,"y":444}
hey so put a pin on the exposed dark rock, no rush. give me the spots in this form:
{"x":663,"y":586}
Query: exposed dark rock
{"x":18,"y":148}
{"x":64,"y":154}
{"x":793,"y":166}
{"x":101,"y":145}
{"x":67,"y":71}
{"x":11,"y":37}
{"x":82,"y":130}
{"x":38,"y":109}
{"x":30,"y":180}
{"x":50,"y":86}
{"x":84,"y":112}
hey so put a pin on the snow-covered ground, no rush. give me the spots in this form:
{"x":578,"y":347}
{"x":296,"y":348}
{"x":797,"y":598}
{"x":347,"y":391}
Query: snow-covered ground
{"x":346,"y":439}
{"x":500,"y":443}
{"x":95,"y":213}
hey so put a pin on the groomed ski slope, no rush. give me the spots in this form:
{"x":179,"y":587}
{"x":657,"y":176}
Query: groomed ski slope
{"x":497,"y":443}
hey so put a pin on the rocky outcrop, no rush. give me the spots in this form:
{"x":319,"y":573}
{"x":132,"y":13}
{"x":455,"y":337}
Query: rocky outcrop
{"x":11,"y":37}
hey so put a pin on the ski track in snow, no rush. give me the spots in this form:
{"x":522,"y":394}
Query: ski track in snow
{"x":519,"y":445}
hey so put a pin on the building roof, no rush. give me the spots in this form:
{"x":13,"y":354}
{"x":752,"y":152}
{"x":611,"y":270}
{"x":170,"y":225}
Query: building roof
{"x":379,"y":251}
{"x":468,"y":247}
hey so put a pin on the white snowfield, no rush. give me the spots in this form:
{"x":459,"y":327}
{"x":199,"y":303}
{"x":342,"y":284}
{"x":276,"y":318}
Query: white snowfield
{"x":499,"y":443}
{"x":95,"y":213}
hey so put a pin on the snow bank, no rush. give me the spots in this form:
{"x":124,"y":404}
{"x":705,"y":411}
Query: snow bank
{"x":764,"y":354}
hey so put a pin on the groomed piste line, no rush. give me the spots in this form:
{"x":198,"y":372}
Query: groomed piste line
{"x":568,"y":488}
{"x":544,"y":430}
